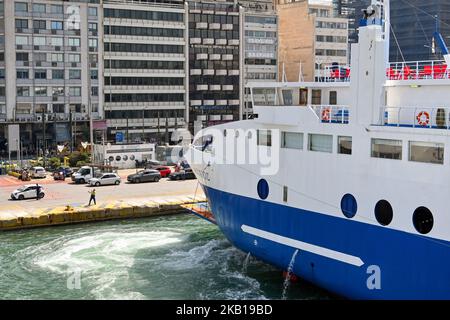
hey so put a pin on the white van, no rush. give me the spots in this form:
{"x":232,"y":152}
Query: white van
{"x":38,"y":172}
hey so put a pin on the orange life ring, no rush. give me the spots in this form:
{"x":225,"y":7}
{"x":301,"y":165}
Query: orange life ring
{"x":326,"y":114}
{"x":423,"y":118}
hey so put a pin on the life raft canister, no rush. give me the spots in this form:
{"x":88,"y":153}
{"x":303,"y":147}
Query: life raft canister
{"x":326,"y":114}
{"x":423,"y":118}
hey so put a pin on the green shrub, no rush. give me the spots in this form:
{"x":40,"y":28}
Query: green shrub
{"x":80,"y":164}
{"x":54,"y":162}
{"x":77,"y":156}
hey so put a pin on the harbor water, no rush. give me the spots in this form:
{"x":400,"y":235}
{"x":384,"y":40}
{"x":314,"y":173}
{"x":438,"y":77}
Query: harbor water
{"x":177,"y":257}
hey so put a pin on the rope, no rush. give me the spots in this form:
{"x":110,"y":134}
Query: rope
{"x":396,"y":41}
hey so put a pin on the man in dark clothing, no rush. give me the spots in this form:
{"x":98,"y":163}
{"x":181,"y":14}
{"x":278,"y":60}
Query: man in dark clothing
{"x":38,"y":191}
{"x":92,"y":197}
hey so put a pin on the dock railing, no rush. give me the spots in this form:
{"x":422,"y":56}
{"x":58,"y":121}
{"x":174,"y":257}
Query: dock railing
{"x":418,"y":70}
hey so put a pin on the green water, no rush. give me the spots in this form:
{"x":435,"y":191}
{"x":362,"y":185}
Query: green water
{"x":179,"y":257}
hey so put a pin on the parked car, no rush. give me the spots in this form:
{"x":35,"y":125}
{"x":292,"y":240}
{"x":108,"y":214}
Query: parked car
{"x":27,"y":192}
{"x":147,"y":175}
{"x":38,"y":172}
{"x":163,"y":170}
{"x":85,"y":174}
{"x":67,"y":171}
{"x":105,"y":179}
{"x":182,"y":175}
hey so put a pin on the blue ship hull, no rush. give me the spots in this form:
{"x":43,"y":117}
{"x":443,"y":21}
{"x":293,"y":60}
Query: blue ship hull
{"x":410,"y":266}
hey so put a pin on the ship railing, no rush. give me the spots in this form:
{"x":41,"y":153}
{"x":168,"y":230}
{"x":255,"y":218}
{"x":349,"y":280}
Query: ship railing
{"x":418,"y":70}
{"x":416,"y":117}
{"x":333,"y":73}
{"x":331,"y":113}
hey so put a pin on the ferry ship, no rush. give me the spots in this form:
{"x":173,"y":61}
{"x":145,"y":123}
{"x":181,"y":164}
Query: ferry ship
{"x":358,"y":201}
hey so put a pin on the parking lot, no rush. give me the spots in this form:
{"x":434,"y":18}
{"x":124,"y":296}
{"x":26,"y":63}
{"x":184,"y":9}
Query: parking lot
{"x":61,"y":193}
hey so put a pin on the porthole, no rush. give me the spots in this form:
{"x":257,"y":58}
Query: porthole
{"x":132,"y":157}
{"x":111,"y":159}
{"x":349,"y":205}
{"x":423,"y":220}
{"x":125,"y":158}
{"x":118,"y":158}
{"x":263,"y":189}
{"x":384,"y":212}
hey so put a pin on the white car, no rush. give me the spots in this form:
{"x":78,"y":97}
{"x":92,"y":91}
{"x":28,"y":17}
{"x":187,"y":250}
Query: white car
{"x":28,"y":192}
{"x":105,"y":179}
{"x":38,"y":172}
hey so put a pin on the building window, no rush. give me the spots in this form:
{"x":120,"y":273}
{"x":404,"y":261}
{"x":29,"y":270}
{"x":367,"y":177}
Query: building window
{"x":387,"y":149}
{"x":345,"y":145}
{"x":23,"y":91}
{"x":56,"y":8}
{"x":316,"y":98}
{"x":92,"y":11}
{"x":23,"y":74}
{"x":428,"y":152}
{"x":38,"y":8}
{"x":57,"y":57}
{"x":93,"y":43}
{"x":57,"y":25}
{"x":94,"y":74}
{"x":40,"y":57}
{"x":264,"y":138}
{"x":39,"y":41}
{"x":21,"y":7}
{"x":57,"y":74}
{"x":320,"y":143}
{"x":22,"y":56}
{"x":74,"y":42}
{"x":333,"y":98}
{"x":21,"y":24}
{"x":292,"y":140}
{"x":40,"y":91}
{"x":40,"y":74}
{"x":57,"y":42}
{"x":94,"y":91}
{"x":74,"y":58}
{"x":75,"y":91}
{"x":74,"y":74}
{"x":58,"y":108}
{"x":21,"y":40}
{"x":39,"y":24}
{"x":57,"y":91}
{"x":93,"y":26}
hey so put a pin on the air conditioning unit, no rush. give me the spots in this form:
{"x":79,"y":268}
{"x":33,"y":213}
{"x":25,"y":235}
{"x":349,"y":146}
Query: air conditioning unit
{"x":57,"y":48}
{"x":36,"y":48}
{"x":53,"y":31}
{"x":54,"y":64}
{"x":74,"y":64}
{"x":74,"y":48}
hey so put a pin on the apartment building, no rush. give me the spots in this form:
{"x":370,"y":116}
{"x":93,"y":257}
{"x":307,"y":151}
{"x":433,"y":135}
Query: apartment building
{"x":50,"y":70}
{"x":310,"y":39}
{"x":146,"y":69}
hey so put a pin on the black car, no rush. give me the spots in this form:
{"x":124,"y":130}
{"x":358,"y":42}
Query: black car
{"x":67,"y":171}
{"x":183,"y":175}
{"x":144,"y":176}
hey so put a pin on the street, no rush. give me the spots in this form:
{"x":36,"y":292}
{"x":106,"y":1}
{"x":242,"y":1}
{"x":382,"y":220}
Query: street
{"x":59,"y":193}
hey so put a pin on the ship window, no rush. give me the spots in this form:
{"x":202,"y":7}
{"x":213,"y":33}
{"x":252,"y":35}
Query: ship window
{"x":118,"y":158}
{"x":345,"y":145}
{"x":428,"y":152}
{"x":383,"y":212}
{"x":287,"y":97}
{"x":263,"y":189}
{"x":292,"y":140}
{"x":333,"y":97}
{"x":387,"y":149}
{"x":320,"y":143}
{"x":265,"y":138}
{"x":316,"y":97}
{"x":349,"y":206}
{"x":423,"y":220}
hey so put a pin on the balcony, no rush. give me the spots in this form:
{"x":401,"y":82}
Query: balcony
{"x":233,"y":72}
{"x":234,"y":102}
{"x":196,"y":102}
{"x":202,"y":87}
{"x":228,"y":87}
{"x":196,"y":72}
{"x":227,"y":26}
{"x":202,"y":25}
{"x":208,"y":41}
{"x":215,"y":87}
{"x":221,"y":42}
{"x":208,"y":72}
{"x":214,"y":56}
{"x":221,"y":102}
{"x":233,"y":42}
{"x":202,"y":56}
{"x":195,"y":41}
{"x":221,"y":72}
{"x":227,"y":117}
{"x":215,"y":117}
{"x":208,"y":102}
{"x":227,"y":57}
{"x":214,"y":26}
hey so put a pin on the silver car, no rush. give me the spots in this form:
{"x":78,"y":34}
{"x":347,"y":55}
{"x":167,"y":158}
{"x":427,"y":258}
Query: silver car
{"x":28,"y":192}
{"x":106,"y":179}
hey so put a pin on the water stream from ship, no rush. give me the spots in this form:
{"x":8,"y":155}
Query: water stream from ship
{"x":287,"y":279}
{"x":178,"y":257}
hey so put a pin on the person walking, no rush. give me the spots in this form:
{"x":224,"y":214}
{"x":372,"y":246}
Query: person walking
{"x":38,"y":191}
{"x":92,"y":197}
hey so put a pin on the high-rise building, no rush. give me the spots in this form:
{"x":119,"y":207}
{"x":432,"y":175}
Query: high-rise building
{"x":413,"y":24}
{"x":215,"y":63}
{"x":51,"y":81}
{"x":146,"y":83}
{"x":311,"y":38}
